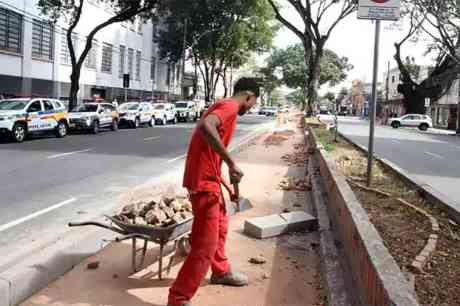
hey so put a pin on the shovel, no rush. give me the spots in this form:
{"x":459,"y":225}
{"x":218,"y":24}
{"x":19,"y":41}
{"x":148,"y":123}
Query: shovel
{"x":242,"y":204}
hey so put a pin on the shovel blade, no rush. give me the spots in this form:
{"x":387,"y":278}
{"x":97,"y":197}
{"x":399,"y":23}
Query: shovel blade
{"x":232,"y":208}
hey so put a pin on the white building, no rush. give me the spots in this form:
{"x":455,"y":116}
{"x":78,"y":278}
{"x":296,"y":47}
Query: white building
{"x":35,"y":59}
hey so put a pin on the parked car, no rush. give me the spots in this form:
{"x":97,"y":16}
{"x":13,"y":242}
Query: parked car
{"x":135,"y":114}
{"x":20,"y":117}
{"x":262,"y":110}
{"x":164,"y":113}
{"x":94,"y":116}
{"x":271,"y":111}
{"x":186,"y":111}
{"x":423,"y":122}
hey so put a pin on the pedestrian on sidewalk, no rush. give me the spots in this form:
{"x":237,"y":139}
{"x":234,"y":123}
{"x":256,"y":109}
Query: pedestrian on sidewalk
{"x":203,"y":179}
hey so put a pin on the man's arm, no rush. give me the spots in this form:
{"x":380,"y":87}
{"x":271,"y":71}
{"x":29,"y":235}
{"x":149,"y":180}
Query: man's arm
{"x":209,"y":127}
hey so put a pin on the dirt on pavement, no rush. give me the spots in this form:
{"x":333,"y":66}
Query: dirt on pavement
{"x":289,"y":277}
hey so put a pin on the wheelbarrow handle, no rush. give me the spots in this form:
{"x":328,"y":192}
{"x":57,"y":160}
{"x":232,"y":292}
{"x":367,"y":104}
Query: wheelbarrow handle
{"x":130,"y":236}
{"x":98,"y":224}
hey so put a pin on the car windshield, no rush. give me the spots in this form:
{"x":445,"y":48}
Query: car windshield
{"x":131,"y":106}
{"x":86,"y":108}
{"x":160,"y":106}
{"x":13,"y":104}
{"x":182,"y":104}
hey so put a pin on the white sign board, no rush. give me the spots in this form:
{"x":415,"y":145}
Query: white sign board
{"x":379,"y":9}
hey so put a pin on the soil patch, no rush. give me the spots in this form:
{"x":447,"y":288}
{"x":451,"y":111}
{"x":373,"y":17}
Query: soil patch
{"x":404,"y":231}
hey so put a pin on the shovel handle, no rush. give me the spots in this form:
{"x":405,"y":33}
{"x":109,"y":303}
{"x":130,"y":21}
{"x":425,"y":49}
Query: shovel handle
{"x":236,"y":188}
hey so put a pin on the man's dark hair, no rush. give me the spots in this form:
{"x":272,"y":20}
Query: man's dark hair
{"x":247,"y":84}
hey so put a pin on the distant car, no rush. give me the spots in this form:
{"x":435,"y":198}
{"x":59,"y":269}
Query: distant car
{"x":186,"y":111}
{"x":422,"y":122}
{"x":164,"y":113}
{"x":135,"y":114}
{"x":20,"y":117}
{"x":262,"y":110}
{"x":94,"y":116}
{"x":271,"y":111}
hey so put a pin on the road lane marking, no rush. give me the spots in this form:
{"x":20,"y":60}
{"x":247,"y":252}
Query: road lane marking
{"x":151,"y":138}
{"x":35,"y":214}
{"x":176,"y":159}
{"x":396,"y":141}
{"x":434,"y":155}
{"x":68,"y":153}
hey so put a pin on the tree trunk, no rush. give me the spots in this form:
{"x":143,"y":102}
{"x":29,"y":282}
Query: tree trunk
{"x":224,"y":81}
{"x":414,"y":100}
{"x":74,"y":88}
{"x":313,"y":79}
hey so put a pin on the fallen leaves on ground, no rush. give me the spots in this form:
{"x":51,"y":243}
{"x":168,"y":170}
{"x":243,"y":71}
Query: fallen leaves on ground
{"x":278,"y":137}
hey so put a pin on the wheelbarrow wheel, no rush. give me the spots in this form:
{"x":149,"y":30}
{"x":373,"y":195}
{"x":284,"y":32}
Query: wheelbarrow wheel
{"x":184,"y":246}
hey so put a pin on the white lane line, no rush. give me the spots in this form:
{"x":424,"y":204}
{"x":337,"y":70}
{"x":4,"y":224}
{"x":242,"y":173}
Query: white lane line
{"x":151,"y":138}
{"x":68,"y":153}
{"x":434,"y":155}
{"x":177,"y":158}
{"x":396,"y":141}
{"x":35,"y":214}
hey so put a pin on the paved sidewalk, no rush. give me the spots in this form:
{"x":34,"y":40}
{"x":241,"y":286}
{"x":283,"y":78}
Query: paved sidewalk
{"x":290,"y":277}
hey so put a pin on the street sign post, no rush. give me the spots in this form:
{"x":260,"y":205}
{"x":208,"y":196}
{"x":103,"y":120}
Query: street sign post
{"x":376,"y":10}
{"x":379,"y":9}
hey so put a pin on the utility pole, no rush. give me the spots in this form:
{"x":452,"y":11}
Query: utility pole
{"x":373,"y":104}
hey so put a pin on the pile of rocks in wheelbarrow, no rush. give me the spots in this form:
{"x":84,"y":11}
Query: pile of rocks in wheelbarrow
{"x":167,"y":211}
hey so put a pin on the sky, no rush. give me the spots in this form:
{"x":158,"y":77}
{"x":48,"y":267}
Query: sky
{"x":354,"y":39}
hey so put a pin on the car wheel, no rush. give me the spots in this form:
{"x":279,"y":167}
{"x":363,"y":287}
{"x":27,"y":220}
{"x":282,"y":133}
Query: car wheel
{"x":19,"y":132}
{"x":95,"y":129}
{"x":61,"y":130}
{"x":395,"y":124}
{"x":175,"y":120}
{"x":114,"y":126}
{"x":423,"y":127}
{"x":152,"y":121}
{"x":137,"y":123}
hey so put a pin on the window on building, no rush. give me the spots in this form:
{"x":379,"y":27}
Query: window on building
{"x":90,"y":61}
{"x":106,"y":62}
{"x":153,"y":68}
{"x":154,"y":31}
{"x":178,"y":67}
{"x":42,"y":39}
{"x":121,"y":63}
{"x":65,"y":54}
{"x":392,"y":79}
{"x":138,"y":65}
{"x":130,"y":62}
{"x":140,"y":24}
{"x":10,"y":31}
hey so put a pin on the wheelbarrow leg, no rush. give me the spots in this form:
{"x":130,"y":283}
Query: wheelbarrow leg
{"x":160,"y":262}
{"x":173,"y":256}
{"x":134,"y":253}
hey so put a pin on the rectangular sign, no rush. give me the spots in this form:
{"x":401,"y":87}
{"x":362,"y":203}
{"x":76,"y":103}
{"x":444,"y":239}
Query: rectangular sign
{"x":379,"y":9}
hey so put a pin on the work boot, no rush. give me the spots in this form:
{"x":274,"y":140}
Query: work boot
{"x":230,"y":279}
{"x":185,"y":304}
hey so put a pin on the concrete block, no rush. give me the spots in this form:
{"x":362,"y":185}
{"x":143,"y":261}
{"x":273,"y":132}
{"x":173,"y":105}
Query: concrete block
{"x":4,"y":292}
{"x":265,"y":227}
{"x":300,"y":221}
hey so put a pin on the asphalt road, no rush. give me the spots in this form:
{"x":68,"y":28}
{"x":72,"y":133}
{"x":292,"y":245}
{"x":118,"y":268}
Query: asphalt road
{"x":431,"y":159}
{"x":46,"y":182}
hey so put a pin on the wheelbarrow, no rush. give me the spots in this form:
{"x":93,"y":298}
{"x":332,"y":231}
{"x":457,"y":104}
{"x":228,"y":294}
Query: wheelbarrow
{"x":178,"y":233}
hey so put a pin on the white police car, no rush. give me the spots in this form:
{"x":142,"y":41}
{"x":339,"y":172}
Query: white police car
{"x":135,"y":114}
{"x":22,"y":116}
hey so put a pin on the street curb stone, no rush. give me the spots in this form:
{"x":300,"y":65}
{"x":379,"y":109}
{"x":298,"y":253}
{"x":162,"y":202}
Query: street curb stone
{"x":377,"y":278}
{"x":450,"y":206}
{"x":332,"y":270}
{"x":27,"y":277}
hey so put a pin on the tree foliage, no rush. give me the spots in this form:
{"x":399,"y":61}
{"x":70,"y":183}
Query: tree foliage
{"x":320,"y":18}
{"x":221,"y":34}
{"x":295,"y":71}
{"x":70,"y":11}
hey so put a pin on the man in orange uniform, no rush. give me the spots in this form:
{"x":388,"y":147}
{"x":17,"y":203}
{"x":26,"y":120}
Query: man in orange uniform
{"x":203,"y":179}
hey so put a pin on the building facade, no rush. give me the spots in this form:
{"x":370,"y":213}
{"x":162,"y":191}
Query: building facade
{"x":35,"y":58}
{"x":444,"y":111}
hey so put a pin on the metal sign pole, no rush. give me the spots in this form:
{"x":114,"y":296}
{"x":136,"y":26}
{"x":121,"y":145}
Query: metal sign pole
{"x":373,"y":103}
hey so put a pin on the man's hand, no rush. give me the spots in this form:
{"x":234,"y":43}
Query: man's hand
{"x":235,"y":174}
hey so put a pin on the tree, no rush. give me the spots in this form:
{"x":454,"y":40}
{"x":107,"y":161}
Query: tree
{"x":71,"y":11}
{"x":295,"y":71}
{"x":296,"y":97}
{"x":439,"y":22}
{"x":270,"y":80}
{"x":329,"y":96}
{"x":315,"y":33}
{"x":220,"y":34}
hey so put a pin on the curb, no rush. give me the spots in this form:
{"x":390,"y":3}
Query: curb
{"x":35,"y":273}
{"x":376,"y":276}
{"x":425,"y":190}
{"x":331,"y":267}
